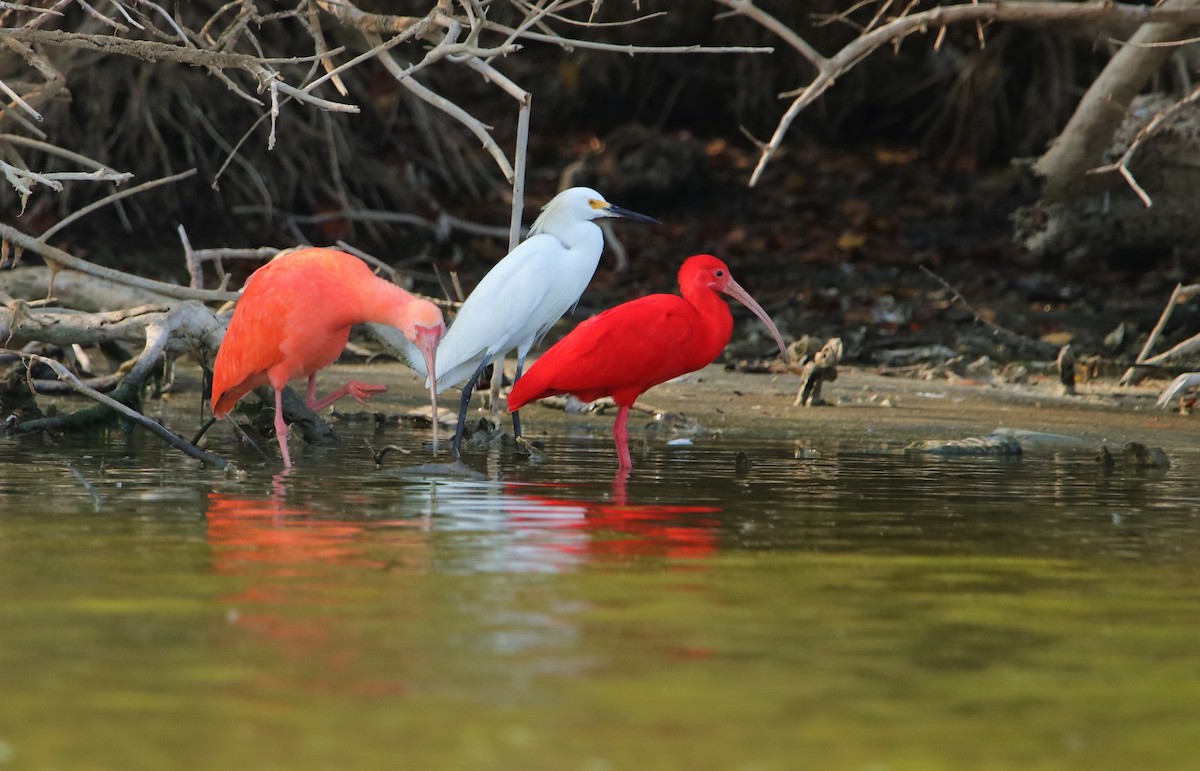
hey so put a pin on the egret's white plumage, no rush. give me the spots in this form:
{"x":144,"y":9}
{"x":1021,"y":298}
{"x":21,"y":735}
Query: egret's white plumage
{"x":520,"y":298}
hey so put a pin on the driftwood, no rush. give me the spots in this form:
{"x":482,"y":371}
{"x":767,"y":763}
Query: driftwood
{"x":183,"y":327}
{"x":1188,"y":347}
{"x":121,"y":408}
{"x":821,"y":368}
{"x":73,"y":289}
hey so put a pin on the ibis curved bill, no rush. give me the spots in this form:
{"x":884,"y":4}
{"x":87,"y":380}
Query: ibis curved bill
{"x":626,"y":350}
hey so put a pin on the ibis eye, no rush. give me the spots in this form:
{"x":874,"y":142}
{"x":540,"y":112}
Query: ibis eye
{"x":720,"y":274}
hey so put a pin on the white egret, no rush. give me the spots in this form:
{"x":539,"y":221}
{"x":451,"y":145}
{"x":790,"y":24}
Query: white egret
{"x":520,"y":298}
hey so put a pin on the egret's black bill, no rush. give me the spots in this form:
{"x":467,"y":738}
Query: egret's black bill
{"x":617,"y":211}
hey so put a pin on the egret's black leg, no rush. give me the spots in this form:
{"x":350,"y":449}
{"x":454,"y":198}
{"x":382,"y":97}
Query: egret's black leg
{"x":516,"y":415}
{"x":465,"y":404}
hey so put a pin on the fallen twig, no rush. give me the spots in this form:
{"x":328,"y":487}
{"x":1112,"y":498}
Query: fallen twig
{"x":137,"y":417}
{"x":103,"y":384}
{"x":1007,"y":336}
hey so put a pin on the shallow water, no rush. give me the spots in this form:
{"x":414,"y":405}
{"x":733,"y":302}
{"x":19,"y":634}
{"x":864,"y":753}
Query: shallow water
{"x":860,"y":610}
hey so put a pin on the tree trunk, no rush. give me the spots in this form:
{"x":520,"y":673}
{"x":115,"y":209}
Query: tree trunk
{"x":1089,"y":134}
{"x":1081,"y":214}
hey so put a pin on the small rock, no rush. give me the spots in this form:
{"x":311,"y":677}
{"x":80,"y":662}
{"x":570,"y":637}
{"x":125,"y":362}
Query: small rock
{"x":1145,"y":457}
{"x":993,"y":444}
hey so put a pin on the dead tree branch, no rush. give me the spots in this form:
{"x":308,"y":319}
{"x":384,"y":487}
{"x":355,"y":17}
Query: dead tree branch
{"x":1006,"y":336}
{"x":237,"y":41}
{"x":107,"y":401}
{"x":830,"y":69}
{"x":152,"y":51}
{"x":1144,"y":360}
{"x":1089,"y":133}
{"x":64,"y":260}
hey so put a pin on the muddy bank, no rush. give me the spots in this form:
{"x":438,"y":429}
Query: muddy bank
{"x":867,"y":412}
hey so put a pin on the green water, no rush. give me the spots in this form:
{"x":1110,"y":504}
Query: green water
{"x":853,"y":611}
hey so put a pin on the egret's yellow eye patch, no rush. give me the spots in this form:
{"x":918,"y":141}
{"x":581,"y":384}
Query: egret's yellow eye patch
{"x":597,"y":204}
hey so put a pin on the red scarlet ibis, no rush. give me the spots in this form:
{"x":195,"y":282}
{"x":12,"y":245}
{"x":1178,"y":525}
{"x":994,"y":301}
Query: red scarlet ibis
{"x":625,"y":350}
{"x":520,"y":298}
{"x":293,"y":319}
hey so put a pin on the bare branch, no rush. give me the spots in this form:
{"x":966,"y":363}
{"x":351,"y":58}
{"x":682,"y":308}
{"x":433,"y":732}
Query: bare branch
{"x":785,"y":33}
{"x":631,"y":50}
{"x":23,"y":7}
{"x":1134,"y":374}
{"x":442,"y":226}
{"x":1148,"y":130}
{"x":524,"y":102}
{"x":137,"y":417}
{"x":65,"y":260}
{"x":13,"y":95}
{"x":445,"y":105}
{"x":830,"y":69}
{"x":153,"y":51}
{"x":110,"y":199}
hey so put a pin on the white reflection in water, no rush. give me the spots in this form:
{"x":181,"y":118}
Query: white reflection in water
{"x":496,"y":530}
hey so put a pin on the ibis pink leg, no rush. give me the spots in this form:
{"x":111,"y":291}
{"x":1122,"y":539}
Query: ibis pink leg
{"x":621,"y":437}
{"x":281,"y":428}
{"x":360,"y":391}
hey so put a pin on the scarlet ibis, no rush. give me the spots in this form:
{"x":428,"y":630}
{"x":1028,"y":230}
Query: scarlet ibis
{"x":293,"y":319}
{"x":520,"y":298}
{"x":625,"y":350}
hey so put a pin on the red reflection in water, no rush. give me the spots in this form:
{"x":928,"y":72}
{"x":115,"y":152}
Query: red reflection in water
{"x":268,"y":532}
{"x":269,"y":536}
{"x":622,"y":531}
{"x":272,"y":536}
{"x":300,"y":566}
